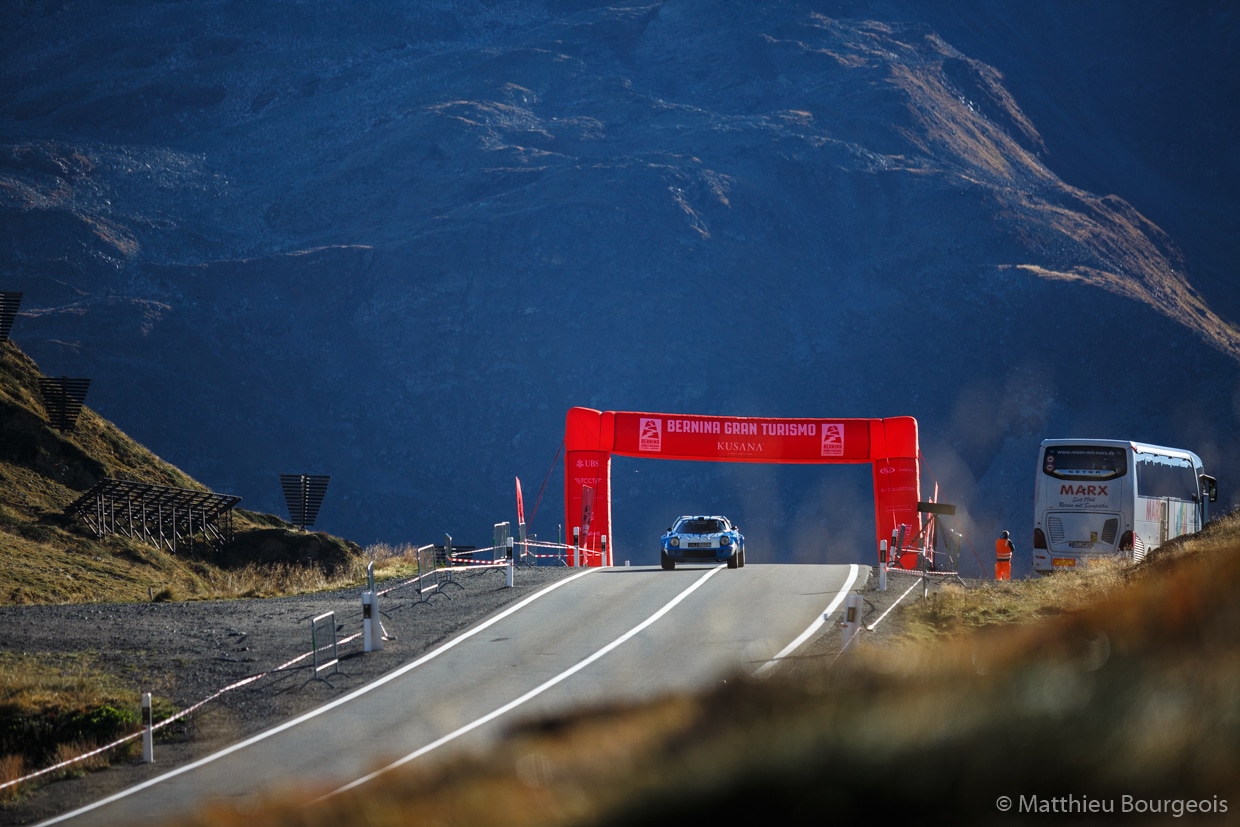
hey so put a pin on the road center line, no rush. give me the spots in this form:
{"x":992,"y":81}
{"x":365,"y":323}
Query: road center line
{"x":533,"y":693}
{"x":396,"y":673}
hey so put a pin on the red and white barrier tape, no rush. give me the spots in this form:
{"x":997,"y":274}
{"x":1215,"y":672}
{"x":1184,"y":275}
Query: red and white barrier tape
{"x":170,"y":719}
{"x":921,"y":573}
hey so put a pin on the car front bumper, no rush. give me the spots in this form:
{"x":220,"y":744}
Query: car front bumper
{"x":699,"y":555}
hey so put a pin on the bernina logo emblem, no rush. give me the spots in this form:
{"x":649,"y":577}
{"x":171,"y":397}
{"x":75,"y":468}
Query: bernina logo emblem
{"x":650,"y":434}
{"x":832,"y":439}
{"x":887,"y":469}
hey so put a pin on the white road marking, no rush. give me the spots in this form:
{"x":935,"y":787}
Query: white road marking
{"x":533,"y":693}
{"x":318,"y":710}
{"x":765,"y":669}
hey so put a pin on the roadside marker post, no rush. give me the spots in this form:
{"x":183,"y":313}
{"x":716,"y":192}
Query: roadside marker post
{"x":853,"y":606}
{"x":509,"y":581}
{"x":882,"y":565}
{"x":372,"y":639}
{"x":372,"y":627}
{"x":925,"y":574}
{"x":148,"y":730}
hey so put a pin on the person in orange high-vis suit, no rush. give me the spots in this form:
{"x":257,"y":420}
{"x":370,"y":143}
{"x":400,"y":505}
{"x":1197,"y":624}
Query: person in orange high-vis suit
{"x":1003,"y":557}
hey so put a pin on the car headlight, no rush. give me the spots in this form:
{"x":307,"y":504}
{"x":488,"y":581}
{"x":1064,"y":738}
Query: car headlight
{"x":675,"y":541}
{"x":725,"y":540}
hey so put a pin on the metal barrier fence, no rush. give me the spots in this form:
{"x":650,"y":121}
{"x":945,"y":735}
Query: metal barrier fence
{"x":324,"y":626}
{"x":535,"y":550}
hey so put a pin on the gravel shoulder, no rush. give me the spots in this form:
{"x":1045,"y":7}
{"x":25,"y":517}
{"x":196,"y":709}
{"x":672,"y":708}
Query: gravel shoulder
{"x":188,"y":652}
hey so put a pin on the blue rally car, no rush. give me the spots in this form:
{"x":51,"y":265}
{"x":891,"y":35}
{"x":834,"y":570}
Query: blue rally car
{"x":702,"y":540}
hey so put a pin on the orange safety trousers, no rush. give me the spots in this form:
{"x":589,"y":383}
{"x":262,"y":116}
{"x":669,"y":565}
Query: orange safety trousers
{"x":1003,"y":559}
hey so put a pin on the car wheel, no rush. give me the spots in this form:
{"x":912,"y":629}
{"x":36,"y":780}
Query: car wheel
{"x":734,"y":562}
{"x":742,"y":554}
{"x":665,"y":561}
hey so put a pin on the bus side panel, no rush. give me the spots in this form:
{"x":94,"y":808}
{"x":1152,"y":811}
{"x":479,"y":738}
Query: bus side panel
{"x":1149,"y":525}
{"x":1183,"y":519}
{"x":1159,"y":519}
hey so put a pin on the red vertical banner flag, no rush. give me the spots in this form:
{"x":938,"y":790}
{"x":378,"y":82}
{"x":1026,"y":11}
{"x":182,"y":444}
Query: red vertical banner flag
{"x":520,"y":505}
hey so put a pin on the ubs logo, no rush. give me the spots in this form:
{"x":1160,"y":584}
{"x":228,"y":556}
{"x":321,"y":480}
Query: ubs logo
{"x":650,"y":434}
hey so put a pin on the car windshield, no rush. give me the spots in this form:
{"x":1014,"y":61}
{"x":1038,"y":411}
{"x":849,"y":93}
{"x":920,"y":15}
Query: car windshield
{"x":699,"y":526}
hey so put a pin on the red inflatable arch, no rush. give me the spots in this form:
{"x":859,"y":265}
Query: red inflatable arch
{"x":592,"y":437}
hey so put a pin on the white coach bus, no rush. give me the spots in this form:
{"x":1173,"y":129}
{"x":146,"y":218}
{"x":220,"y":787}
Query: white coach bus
{"x":1099,"y":497}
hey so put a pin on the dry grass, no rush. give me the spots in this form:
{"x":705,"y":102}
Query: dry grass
{"x":955,"y":610}
{"x":57,"y":707}
{"x":396,"y":561}
{"x":11,"y":767}
{"x":391,"y":561}
{"x":276,"y":580}
{"x":73,"y":752}
{"x":38,"y":680}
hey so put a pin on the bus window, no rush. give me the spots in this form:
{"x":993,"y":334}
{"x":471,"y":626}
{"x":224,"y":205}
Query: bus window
{"x":1163,"y":476}
{"x":1085,"y":462}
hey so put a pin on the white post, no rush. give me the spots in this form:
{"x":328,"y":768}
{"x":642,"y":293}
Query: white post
{"x":148,"y":730}
{"x":510,"y":562}
{"x":606,"y":561}
{"x":372,"y":637}
{"x":925,"y":574}
{"x":853,"y":607}
{"x":882,"y":565}
{"x":576,"y":546}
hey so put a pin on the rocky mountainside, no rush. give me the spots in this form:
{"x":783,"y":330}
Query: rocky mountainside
{"x":395,"y":242}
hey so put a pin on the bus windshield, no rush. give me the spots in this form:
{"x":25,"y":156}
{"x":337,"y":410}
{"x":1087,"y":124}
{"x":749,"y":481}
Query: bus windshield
{"x":1085,"y":462}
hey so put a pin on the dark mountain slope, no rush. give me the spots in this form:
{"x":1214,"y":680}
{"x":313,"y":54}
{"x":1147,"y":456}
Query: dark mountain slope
{"x":396,"y":245}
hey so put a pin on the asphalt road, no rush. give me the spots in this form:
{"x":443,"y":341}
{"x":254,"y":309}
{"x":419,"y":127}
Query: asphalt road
{"x":607,"y":634}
